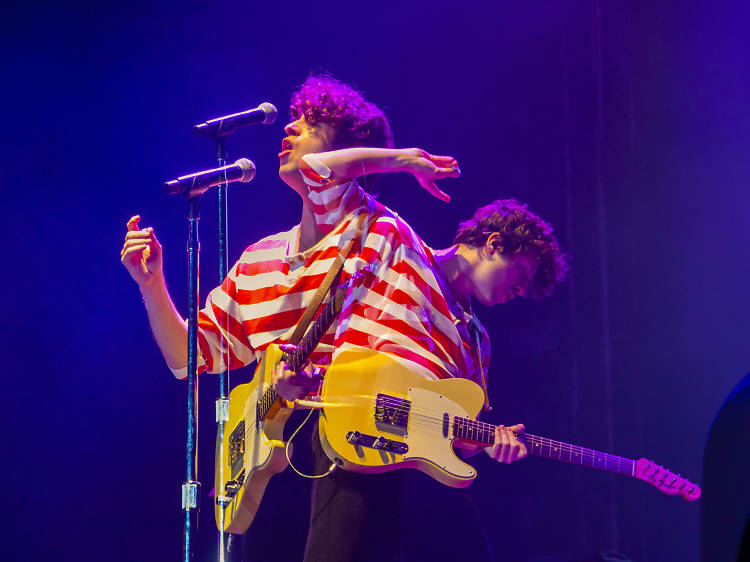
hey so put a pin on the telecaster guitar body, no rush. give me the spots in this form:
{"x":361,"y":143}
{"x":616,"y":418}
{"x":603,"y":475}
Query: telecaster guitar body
{"x":253,"y":448}
{"x":368,"y":395}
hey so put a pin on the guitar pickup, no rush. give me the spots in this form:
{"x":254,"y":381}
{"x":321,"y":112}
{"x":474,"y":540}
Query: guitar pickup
{"x":380,"y":443}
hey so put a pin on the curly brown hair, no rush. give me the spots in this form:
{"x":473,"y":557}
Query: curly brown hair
{"x":521,"y":231}
{"x":323,"y":99}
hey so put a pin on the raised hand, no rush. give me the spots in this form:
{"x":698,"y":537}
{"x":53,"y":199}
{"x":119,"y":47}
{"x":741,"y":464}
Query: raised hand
{"x":428,"y":168}
{"x":141,"y":253}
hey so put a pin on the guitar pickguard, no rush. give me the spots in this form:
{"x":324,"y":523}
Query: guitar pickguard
{"x":426,"y":440}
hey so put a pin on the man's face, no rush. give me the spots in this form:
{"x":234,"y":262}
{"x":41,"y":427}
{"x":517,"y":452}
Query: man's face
{"x":498,"y":277}
{"x":302,"y":138}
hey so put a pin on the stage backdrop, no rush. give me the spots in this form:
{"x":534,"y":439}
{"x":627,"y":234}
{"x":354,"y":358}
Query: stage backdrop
{"x":623,"y":123}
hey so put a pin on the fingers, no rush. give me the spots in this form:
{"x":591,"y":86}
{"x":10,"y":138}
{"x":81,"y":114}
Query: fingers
{"x":136,"y":241}
{"x":518,"y":428}
{"x":132,"y":253}
{"x":447,"y":166}
{"x":429,"y":168}
{"x":145,"y":236}
{"x":135,"y":233}
{"x":292,"y":385}
{"x":435,"y":191}
{"x":507,"y":447}
{"x":442,"y":161}
{"x":133,"y":222}
{"x":441,"y":173}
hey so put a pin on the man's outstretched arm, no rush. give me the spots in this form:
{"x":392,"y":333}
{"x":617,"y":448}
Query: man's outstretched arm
{"x":426,"y":168}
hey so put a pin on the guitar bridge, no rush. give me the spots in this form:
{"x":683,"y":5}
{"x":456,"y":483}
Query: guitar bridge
{"x":380,"y":443}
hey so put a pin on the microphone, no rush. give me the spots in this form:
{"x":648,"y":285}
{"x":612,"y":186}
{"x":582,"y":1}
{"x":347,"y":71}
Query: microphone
{"x":265,"y":113}
{"x":196,"y":184}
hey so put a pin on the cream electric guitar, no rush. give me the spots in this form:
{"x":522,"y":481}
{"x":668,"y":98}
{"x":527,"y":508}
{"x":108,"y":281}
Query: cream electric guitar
{"x":379,"y":416}
{"x":253,"y":436}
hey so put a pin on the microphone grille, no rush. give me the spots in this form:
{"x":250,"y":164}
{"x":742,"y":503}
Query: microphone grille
{"x":270,"y":110}
{"x":248,"y":169}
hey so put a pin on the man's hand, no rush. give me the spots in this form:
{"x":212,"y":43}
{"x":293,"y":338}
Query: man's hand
{"x":507,"y":447}
{"x":141,"y":254}
{"x":292,"y":385}
{"x":428,"y":168}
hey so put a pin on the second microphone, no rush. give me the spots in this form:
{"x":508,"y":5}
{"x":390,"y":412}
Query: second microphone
{"x":243,"y":170}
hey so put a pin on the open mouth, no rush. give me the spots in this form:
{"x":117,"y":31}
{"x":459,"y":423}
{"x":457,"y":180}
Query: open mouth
{"x":286,"y":148}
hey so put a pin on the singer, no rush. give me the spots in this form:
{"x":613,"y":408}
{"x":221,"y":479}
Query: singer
{"x":414,"y":305}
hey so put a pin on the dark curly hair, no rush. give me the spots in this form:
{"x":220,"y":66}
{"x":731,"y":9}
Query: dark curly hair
{"x":521,"y":231}
{"x":323,"y":99}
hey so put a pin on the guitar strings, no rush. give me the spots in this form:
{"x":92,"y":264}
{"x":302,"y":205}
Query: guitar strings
{"x":424,"y":420}
{"x":471,"y":424}
{"x":606,"y":461}
{"x":609,"y":462}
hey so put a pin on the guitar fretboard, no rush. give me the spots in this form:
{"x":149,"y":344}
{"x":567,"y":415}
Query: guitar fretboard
{"x":307,"y":344}
{"x":484,"y":433}
{"x":297,"y":358}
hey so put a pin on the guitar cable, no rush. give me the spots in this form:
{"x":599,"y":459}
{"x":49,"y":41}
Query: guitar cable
{"x":289,"y":460}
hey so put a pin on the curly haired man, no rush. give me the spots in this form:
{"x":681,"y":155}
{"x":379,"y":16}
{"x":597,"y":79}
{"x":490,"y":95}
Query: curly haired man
{"x":415,"y":304}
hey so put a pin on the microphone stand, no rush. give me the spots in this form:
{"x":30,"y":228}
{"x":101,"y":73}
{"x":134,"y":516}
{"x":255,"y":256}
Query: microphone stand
{"x":222,"y":401}
{"x":191,"y":487}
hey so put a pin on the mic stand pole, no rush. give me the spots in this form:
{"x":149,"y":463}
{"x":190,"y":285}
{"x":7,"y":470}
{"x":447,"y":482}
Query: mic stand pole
{"x":191,"y":487}
{"x":222,"y":402}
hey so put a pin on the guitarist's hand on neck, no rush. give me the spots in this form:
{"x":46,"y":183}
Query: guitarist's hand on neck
{"x":292,"y":385}
{"x":508,"y":448}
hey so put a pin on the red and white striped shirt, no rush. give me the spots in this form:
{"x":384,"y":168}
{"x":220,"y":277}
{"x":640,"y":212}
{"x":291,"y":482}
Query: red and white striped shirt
{"x":401,"y":308}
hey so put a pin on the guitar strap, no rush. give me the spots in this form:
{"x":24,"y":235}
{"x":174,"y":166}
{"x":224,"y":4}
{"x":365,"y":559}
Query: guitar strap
{"x":330,"y":280}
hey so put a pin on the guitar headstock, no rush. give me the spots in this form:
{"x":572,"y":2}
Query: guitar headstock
{"x":666,"y":481}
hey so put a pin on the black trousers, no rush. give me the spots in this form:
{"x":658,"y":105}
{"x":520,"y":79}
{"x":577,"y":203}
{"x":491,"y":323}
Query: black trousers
{"x":400,"y":516}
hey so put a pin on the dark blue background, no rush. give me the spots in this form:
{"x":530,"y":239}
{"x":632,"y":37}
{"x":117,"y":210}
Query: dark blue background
{"x":623,"y":123}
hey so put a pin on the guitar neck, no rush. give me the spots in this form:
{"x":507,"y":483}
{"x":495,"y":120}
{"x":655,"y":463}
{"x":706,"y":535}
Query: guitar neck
{"x":482,"y":433}
{"x":307,"y":344}
{"x":297,"y":358}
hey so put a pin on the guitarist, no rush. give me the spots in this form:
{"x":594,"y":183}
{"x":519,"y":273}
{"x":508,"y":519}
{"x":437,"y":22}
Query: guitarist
{"x":415,"y":304}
